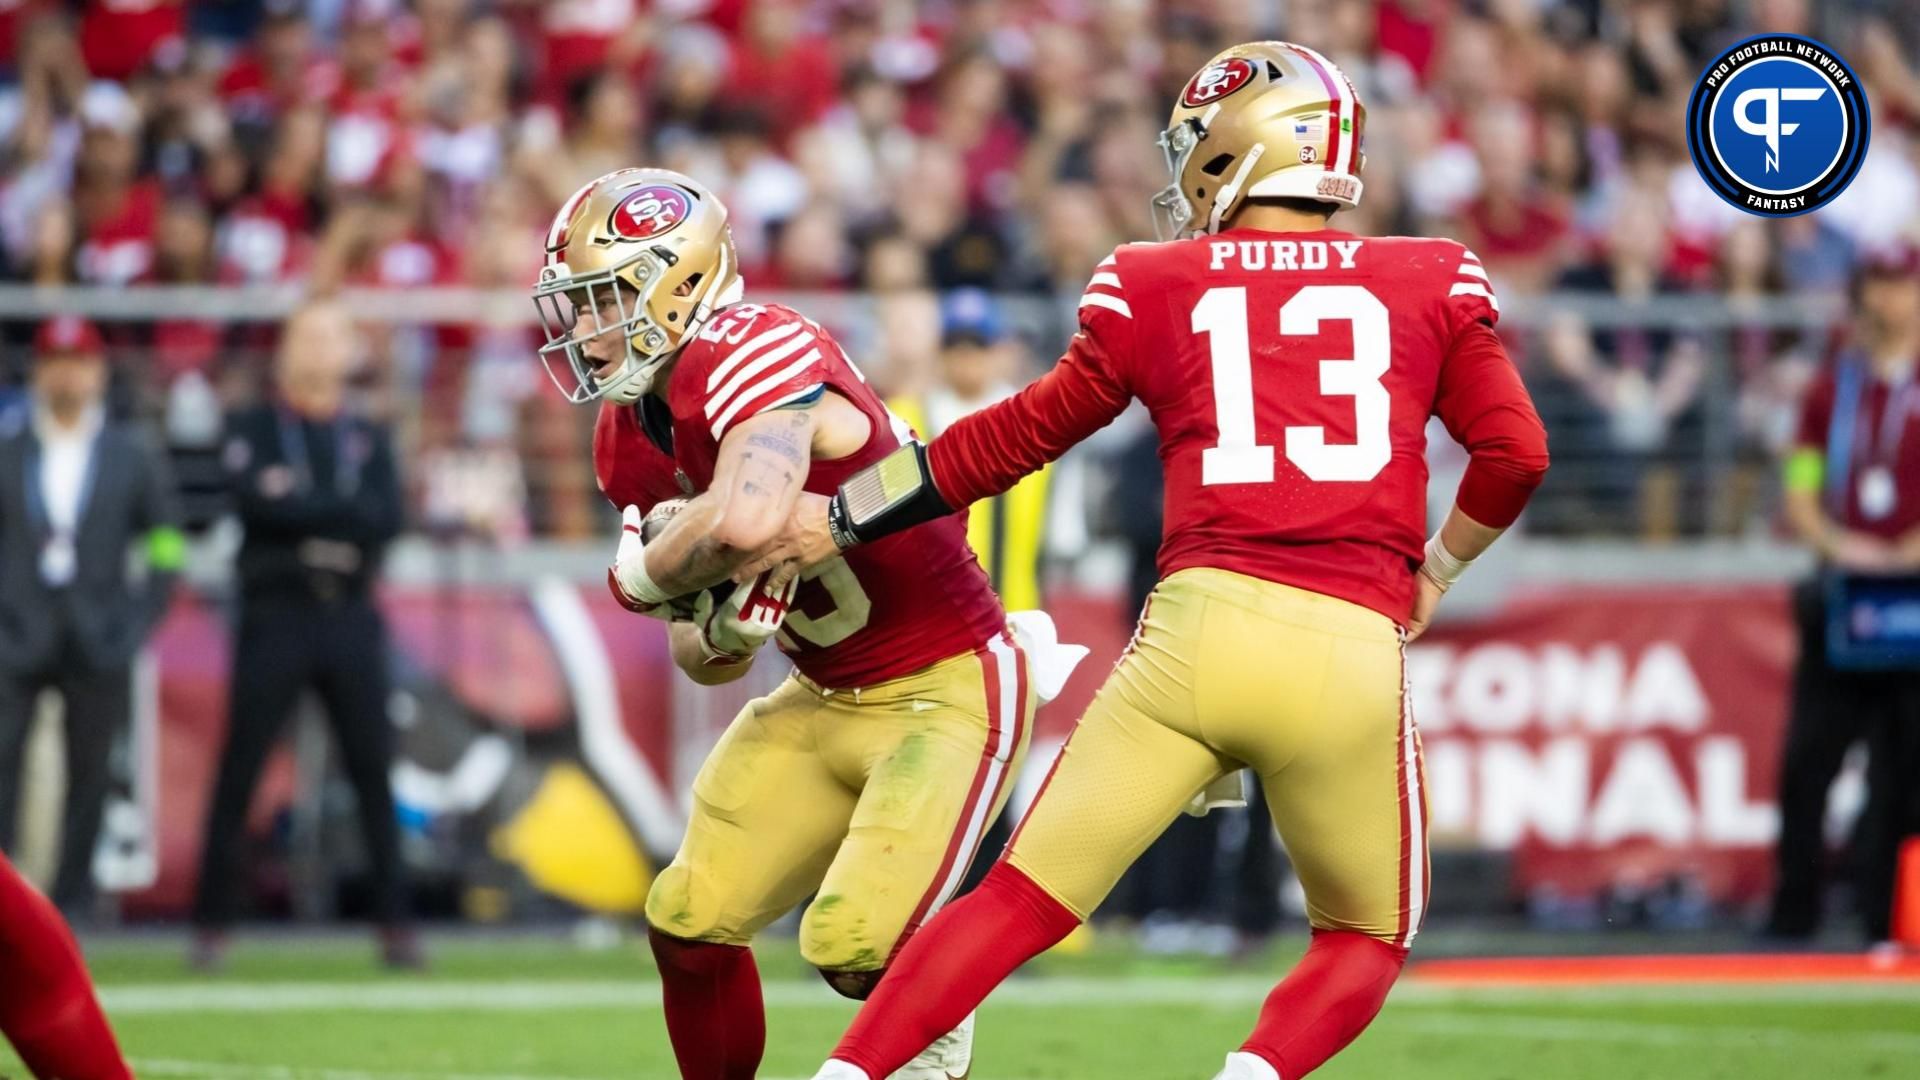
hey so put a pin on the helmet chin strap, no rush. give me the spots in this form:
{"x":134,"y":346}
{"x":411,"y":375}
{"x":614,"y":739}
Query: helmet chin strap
{"x":1227,"y":195}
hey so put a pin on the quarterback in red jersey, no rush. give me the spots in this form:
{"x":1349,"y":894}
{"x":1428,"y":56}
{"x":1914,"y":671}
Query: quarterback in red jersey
{"x":1290,"y":369}
{"x":868,"y":776}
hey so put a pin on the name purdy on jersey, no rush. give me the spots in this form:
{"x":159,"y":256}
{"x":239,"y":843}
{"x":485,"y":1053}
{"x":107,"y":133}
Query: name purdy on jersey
{"x":883,"y":611}
{"x":1282,"y":254}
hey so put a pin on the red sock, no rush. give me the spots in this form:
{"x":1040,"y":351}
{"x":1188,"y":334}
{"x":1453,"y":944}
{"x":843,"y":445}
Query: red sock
{"x":47,"y":1007}
{"x":715,"y":1017}
{"x":950,"y":966}
{"x":1326,"y":1002}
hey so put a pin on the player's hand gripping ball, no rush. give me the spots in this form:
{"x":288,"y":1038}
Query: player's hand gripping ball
{"x":636,"y":532}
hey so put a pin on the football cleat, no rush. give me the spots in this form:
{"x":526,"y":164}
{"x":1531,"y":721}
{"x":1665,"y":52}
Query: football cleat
{"x":950,"y":1057}
{"x":1267,"y":119}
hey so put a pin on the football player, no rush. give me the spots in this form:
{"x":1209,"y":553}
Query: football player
{"x":48,"y":1010}
{"x":869,"y":775}
{"x":1290,"y":369}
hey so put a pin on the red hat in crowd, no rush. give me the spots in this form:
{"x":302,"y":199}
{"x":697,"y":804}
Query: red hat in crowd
{"x":67,"y":335}
{"x":1900,"y":259}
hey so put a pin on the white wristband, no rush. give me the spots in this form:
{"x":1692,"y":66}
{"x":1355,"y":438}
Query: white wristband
{"x":1441,"y":565}
{"x":639,"y":584}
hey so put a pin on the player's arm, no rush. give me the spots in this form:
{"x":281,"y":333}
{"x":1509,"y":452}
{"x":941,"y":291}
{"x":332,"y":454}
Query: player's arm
{"x":683,"y":640}
{"x":979,"y":456}
{"x":1487,"y":409}
{"x":760,"y":470}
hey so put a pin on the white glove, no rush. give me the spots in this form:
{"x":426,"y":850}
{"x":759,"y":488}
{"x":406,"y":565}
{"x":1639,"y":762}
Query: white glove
{"x":735,"y":628}
{"x":627,"y":578}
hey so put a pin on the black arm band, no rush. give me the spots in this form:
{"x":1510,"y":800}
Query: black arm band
{"x":897,"y":492}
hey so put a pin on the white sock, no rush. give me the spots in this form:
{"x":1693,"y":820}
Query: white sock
{"x":1250,"y":1066}
{"x":835,"y":1069}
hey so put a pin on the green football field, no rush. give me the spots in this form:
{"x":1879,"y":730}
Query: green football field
{"x":522,"y":1008}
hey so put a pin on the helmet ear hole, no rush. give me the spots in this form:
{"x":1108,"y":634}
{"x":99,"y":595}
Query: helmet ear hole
{"x":1218,"y":165}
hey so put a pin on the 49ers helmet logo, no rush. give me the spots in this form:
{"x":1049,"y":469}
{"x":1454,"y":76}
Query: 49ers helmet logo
{"x":1216,"y":81}
{"x":650,"y":211}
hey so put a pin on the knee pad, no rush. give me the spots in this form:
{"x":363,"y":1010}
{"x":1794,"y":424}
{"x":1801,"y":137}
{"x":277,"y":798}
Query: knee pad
{"x":853,"y":984}
{"x":838,"y":934}
{"x":676,"y":908}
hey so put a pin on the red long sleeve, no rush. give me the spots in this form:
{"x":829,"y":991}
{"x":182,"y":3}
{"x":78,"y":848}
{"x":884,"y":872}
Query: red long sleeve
{"x":1487,"y":410}
{"x":988,"y":452}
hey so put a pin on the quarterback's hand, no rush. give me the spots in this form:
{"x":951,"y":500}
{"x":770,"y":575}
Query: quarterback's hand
{"x":735,"y":628}
{"x":1426,"y":597}
{"x":626,"y":559}
{"x":804,"y":542}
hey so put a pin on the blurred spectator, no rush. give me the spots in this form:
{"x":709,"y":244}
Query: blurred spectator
{"x":1627,"y":390}
{"x":760,"y":188}
{"x":1853,"y":496}
{"x":318,"y":493}
{"x":69,"y":618}
{"x":976,"y":369}
{"x":781,"y":69}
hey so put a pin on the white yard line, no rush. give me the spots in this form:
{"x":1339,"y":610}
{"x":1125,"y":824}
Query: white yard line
{"x":215,"y":1070}
{"x":1238,"y":991}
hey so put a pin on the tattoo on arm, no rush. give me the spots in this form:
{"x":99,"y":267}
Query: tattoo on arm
{"x":771,"y":473}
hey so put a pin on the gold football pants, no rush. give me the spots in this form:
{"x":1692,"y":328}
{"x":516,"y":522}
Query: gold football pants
{"x":876,"y":797}
{"x":1228,"y":671}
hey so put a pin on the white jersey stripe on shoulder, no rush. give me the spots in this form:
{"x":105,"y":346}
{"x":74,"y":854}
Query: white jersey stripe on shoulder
{"x":1473,"y":270}
{"x":745,"y":352}
{"x":1104,"y":278}
{"x":1106,"y":262}
{"x":1467,"y":288}
{"x":1111,"y":303}
{"x":761,"y":389}
{"x":719,"y":398}
{"x":1470,"y":258}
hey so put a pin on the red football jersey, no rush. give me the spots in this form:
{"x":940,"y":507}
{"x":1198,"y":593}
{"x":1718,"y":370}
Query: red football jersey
{"x":1291,"y":376}
{"x":887,"y":609}
{"x":632,"y":471}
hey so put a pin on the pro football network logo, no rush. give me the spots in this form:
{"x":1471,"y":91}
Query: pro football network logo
{"x":1778,"y":125}
{"x":649,"y":211}
{"x":1216,"y":81}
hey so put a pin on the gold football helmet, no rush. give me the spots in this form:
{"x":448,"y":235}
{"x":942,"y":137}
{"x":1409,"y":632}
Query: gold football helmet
{"x":652,"y":245}
{"x":1268,"y":118}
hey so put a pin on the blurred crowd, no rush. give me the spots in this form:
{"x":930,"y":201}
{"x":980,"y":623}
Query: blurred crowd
{"x":893,"y":150}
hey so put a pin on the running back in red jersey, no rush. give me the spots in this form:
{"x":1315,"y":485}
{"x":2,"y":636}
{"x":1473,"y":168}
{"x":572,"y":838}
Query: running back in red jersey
{"x":886,"y":609}
{"x":1291,"y":376}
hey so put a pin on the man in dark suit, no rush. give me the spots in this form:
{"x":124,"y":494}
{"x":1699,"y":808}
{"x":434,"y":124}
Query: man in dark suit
{"x":319,"y":496}
{"x":77,"y":490}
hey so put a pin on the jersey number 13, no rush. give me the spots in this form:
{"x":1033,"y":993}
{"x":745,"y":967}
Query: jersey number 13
{"x":1238,"y":458}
